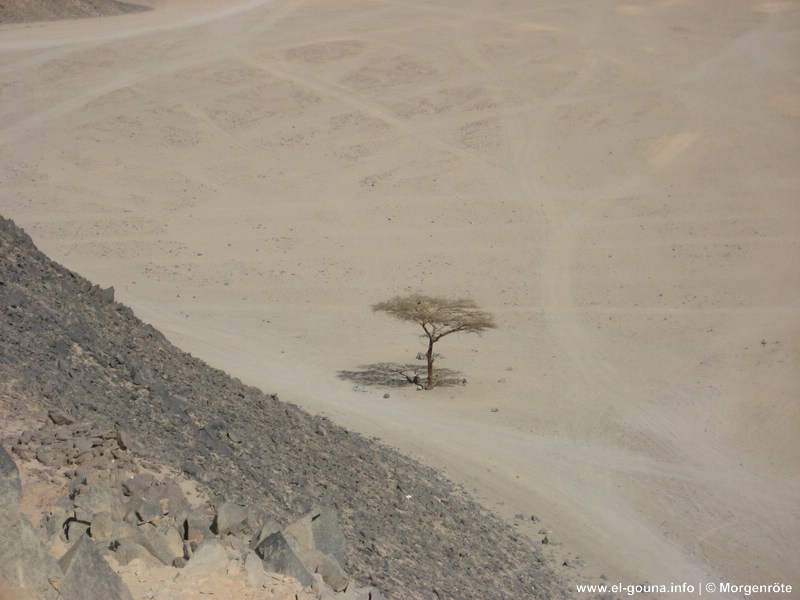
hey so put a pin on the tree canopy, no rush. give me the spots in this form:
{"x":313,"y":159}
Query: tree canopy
{"x":438,"y":317}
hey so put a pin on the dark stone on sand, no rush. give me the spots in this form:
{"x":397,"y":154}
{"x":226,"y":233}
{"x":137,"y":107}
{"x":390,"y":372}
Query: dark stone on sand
{"x":278,"y":557}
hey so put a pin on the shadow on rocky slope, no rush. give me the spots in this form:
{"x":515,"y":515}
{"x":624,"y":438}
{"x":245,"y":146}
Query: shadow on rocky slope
{"x":68,"y":345}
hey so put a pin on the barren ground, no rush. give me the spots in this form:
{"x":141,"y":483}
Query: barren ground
{"x":616,"y":182}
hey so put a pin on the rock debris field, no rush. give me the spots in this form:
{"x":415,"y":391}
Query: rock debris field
{"x":118,"y":387}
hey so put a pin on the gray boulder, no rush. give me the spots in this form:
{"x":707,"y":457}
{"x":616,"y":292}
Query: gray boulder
{"x":318,"y":541}
{"x":148,"y":510}
{"x":332,"y":572}
{"x":210,"y":557}
{"x":138,"y":485}
{"x":74,"y":529}
{"x":327,"y":534}
{"x":320,"y":530}
{"x":268,"y":527}
{"x":279,"y":557}
{"x":26,"y":569}
{"x":97,"y":499}
{"x":229,"y":518}
{"x":197,"y":523}
{"x":57,"y":516}
{"x":10,"y":484}
{"x":156,"y":543}
{"x":170,"y":496}
{"x":87,"y":575}
{"x":59,"y":417}
{"x":126,"y":550}
{"x":172,"y":537}
{"x":102,"y":527}
{"x":254,"y":570}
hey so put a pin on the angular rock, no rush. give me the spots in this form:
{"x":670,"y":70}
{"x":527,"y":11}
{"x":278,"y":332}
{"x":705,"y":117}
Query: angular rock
{"x":123,"y":439}
{"x":320,"y":530}
{"x":81,"y":446}
{"x":10,"y":484}
{"x":331,"y":571}
{"x":59,"y":417}
{"x":255,"y":575}
{"x":323,"y":564}
{"x":171,"y":497}
{"x":104,"y":296}
{"x":84,"y":428}
{"x":26,"y":569}
{"x":322,"y":589}
{"x":236,"y":545}
{"x":327,"y":534}
{"x":173,"y":539}
{"x":87,"y":575}
{"x":300,"y":534}
{"x":57,"y":517}
{"x":267,"y":528}
{"x":210,"y":557}
{"x":51,"y":458}
{"x":278,"y":557}
{"x":256,"y":517}
{"x":22,"y":451}
{"x":63,"y":434}
{"x":126,"y":550}
{"x":74,"y":529}
{"x":197,"y":525}
{"x":157,"y":544}
{"x":229,"y":518}
{"x":124,"y":530}
{"x":149,"y":510}
{"x":138,"y":485}
{"x":95,"y":499}
{"x":191,"y":468}
{"x":550,"y":539}
{"x":102,"y":527}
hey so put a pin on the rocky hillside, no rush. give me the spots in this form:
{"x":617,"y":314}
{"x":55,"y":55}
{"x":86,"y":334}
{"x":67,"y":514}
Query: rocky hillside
{"x":68,"y":345}
{"x":25,"y":11}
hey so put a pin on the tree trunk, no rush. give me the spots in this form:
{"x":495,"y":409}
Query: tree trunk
{"x":429,"y":355}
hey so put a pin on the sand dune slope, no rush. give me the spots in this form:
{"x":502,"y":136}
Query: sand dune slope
{"x":616,"y":182}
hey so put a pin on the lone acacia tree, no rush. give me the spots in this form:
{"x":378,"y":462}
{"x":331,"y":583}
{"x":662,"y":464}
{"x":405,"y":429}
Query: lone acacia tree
{"x":438,"y":317}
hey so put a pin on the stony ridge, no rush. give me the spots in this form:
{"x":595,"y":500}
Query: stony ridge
{"x":115,"y":506}
{"x":68,"y":345}
{"x":26,"y":11}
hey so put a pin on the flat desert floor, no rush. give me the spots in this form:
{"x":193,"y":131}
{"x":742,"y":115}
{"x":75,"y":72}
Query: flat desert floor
{"x":617,"y":181}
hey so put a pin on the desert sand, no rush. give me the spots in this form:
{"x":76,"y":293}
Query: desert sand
{"x":616,"y":182}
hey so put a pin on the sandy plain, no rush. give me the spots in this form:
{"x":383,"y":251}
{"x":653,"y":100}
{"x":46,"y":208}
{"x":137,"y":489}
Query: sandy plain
{"x":616,"y":181}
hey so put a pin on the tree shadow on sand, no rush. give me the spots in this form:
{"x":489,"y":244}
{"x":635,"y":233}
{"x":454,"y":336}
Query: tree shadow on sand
{"x":398,"y":375}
